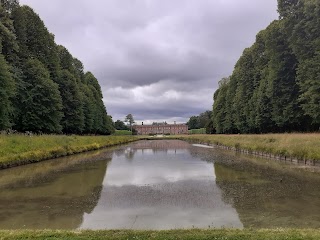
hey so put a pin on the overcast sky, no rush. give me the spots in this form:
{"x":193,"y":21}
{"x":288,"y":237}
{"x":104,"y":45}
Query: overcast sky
{"x":160,"y":60}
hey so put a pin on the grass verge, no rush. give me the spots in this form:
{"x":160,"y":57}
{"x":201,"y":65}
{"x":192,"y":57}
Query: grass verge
{"x":172,"y":234}
{"x":300,"y":146}
{"x":20,"y":149}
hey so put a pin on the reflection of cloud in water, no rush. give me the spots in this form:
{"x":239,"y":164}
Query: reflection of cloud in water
{"x":161,"y":190}
{"x":156,"y":168}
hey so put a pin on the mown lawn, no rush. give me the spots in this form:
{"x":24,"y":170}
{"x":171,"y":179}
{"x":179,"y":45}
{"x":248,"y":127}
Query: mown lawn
{"x":301,"y":146}
{"x":20,"y":149}
{"x":223,"y":234}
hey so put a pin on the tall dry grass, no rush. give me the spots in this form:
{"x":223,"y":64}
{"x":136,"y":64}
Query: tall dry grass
{"x":301,"y":146}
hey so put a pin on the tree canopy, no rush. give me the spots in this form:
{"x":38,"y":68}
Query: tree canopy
{"x":129,"y":119}
{"x":43,"y":88}
{"x":275,"y":85}
{"x":119,"y":125}
{"x":204,"y":120}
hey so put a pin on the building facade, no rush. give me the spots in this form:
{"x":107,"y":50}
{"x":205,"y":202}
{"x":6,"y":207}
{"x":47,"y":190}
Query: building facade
{"x":165,"y":129}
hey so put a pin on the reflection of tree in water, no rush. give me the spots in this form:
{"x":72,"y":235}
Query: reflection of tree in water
{"x":267,"y":197}
{"x":57,"y":200}
{"x":119,"y":151}
{"x":129,"y":153}
{"x":126,"y":151}
{"x":152,"y":145}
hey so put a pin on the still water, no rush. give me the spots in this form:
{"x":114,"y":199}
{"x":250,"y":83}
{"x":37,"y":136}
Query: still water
{"x":158,"y":185}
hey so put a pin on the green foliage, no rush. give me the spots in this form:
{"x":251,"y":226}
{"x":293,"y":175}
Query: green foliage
{"x":36,"y":75}
{"x":101,"y":123}
{"x":275,"y":85}
{"x":193,"y":122}
{"x":34,"y":39}
{"x":7,"y":35}
{"x":204,"y":120}
{"x":6,"y":91}
{"x":129,"y":119}
{"x":39,"y":101}
{"x":9,"y":5}
{"x":119,"y":125}
{"x":73,"y":119}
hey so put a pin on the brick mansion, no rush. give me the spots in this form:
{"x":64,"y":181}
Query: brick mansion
{"x":163,"y":128}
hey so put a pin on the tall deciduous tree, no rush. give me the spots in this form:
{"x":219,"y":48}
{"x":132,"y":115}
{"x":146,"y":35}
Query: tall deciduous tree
{"x":9,"y":5}
{"x":34,"y":39}
{"x":119,"y":125}
{"x":275,"y":85}
{"x":6,"y":91}
{"x":129,"y":119}
{"x":39,"y":99}
{"x":73,"y":119}
{"x":36,"y":75}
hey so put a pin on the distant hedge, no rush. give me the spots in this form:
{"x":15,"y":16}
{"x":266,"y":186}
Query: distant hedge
{"x":122,"y":132}
{"x":197,"y":131}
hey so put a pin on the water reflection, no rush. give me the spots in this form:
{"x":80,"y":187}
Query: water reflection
{"x":266,"y":193}
{"x":53,"y":194}
{"x":162,"y":187}
{"x":270,"y":195}
{"x":158,"y":185}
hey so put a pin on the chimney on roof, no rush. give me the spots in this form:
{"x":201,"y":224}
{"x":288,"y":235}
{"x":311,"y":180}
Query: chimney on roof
{"x":175,"y":122}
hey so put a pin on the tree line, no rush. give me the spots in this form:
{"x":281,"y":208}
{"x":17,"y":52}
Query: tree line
{"x":204,"y":120}
{"x":43,"y":88}
{"x":275,"y":85}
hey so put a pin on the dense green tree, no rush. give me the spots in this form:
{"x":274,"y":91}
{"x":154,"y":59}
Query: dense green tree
{"x":204,"y":120}
{"x":34,"y":39}
{"x":302,"y":30}
{"x":130,"y":120}
{"x":44,"y":83}
{"x":193,"y":123}
{"x":73,"y":119}
{"x":6,"y":91}
{"x":39,"y":100}
{"x":9,"y":5}
{"x":7,"y":37}
{"x":88,"y":108}
{"x":119,"y":125}
{"x":275,"y":85}
{"x":219,"y":107}
{"x":109,"y":124}
{"x":282,"y":65}
{"x":287,"y":7}
{"x":102,"y":123}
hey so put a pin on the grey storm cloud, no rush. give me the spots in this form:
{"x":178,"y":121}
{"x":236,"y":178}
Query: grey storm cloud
{"x":157,"y":59}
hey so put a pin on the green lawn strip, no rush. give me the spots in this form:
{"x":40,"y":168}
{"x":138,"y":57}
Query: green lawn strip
{"x":300,"y":146}
{"x":19,"y":149}
{"x":224,"y":234}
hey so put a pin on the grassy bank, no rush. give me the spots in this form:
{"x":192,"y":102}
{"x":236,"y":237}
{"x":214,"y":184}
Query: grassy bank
{"x":20,"y":149}
{"x":173,"y":234}
{"x":300,"y":146}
